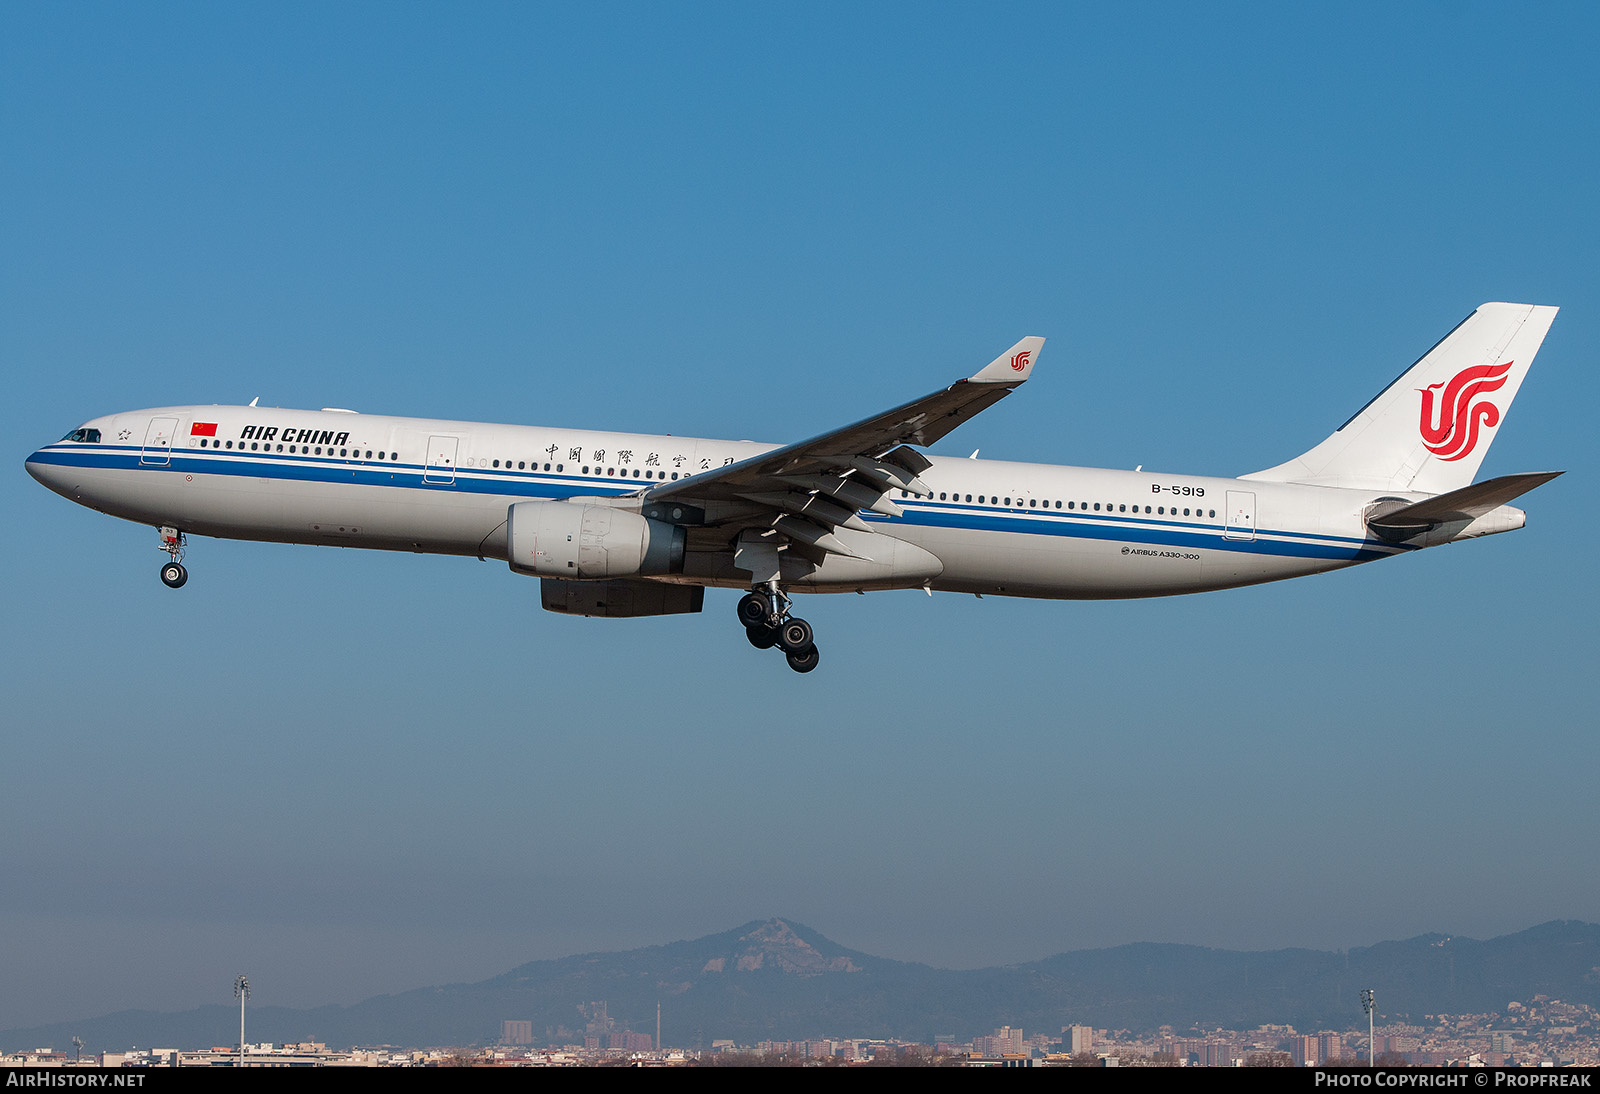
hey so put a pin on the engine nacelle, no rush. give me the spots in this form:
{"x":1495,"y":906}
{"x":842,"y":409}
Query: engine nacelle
{"x":578,"y":540}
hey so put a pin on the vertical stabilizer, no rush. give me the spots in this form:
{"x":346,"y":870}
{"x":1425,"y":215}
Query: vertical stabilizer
{"x":1429,"y":430}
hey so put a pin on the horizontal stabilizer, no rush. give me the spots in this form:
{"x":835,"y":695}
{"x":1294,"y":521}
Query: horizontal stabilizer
{"x":1468,"y":503}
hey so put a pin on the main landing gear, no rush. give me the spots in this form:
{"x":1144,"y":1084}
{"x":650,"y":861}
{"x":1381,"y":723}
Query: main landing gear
{"x":767,"y":623}
{"x":173,"y":575}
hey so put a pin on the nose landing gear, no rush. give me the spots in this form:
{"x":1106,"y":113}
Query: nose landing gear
{"x":173,"y":575}
{"x":767,"y":623}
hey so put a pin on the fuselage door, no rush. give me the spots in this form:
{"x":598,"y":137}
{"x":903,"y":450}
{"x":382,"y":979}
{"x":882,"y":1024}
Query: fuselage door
{"x":1241,"y":515}
{"x":158,"y":441}
{"x":441,"y":465}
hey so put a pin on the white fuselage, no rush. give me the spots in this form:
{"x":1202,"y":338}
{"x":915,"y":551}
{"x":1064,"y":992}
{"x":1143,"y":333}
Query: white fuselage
{"x":1016,"y":529}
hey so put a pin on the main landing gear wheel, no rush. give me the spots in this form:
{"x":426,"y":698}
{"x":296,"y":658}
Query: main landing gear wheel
{"x":795,"y":636}
{"x":755,"y":610}
{"x":764,"y":611}
{"x":174,"y":575}
{"x":803,"y":661}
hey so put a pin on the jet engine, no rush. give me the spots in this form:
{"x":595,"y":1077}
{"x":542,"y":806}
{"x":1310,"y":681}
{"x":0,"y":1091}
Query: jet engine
{"x":578,"y":539}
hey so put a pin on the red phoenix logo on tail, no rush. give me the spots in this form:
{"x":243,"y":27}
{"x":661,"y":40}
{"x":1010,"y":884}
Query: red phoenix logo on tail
{"x":1452,"y":432}
{"x":1019,"y":361}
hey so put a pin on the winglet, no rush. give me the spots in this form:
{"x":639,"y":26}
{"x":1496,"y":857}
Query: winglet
{"x":1012,"y":366}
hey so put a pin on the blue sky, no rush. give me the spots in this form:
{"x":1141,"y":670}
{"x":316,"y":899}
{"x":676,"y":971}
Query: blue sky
{"x":348,"y":773}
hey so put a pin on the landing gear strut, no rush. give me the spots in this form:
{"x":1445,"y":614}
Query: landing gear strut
{"x":767,"y":623}
{"x":173,"y":575}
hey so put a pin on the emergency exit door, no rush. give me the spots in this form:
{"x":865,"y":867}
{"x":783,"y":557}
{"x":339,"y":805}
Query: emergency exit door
{"x":441,"y":465}
{"x":158,"y":441}
{"x":1241,"y":514}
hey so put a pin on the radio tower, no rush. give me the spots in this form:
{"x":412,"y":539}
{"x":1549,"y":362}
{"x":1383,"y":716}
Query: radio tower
{"x":1369,"y":1004}
{"x":241,"y":992}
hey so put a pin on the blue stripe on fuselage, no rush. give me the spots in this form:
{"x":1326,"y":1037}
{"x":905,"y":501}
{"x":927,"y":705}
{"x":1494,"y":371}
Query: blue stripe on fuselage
{"x":1141,"y":529}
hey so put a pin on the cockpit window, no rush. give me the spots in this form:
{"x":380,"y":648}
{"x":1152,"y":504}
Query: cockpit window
{"x":85,"y":436}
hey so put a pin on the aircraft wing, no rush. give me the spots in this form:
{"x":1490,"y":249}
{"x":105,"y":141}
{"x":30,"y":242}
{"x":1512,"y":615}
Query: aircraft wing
{"x":805,"y":490}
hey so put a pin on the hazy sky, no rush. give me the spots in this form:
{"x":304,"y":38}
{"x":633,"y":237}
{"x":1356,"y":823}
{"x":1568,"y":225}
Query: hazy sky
{"x":348,"y":773}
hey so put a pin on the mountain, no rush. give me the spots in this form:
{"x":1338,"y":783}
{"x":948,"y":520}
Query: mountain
{"x":778,"y":980}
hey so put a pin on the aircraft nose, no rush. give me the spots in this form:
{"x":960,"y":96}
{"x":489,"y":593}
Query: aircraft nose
{"x":47,"y":472}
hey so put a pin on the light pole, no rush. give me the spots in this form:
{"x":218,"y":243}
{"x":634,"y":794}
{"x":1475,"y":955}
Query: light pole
{"x":1368,"y":1004}
{"x":241,"y":992}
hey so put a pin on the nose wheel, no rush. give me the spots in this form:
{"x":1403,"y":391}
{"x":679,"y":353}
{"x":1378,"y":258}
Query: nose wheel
{"x":173,"y":575}
{"x":767,"y":623}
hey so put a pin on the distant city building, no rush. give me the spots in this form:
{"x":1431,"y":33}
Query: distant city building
{"x":516,"y":1032}
{"x":629,"y":1041}
{"x":600,"y":1022}
{"x":1005,"y":1040}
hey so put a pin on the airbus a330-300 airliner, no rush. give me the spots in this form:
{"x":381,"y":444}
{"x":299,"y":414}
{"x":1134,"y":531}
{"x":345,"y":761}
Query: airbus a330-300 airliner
{"x":618,"y":524}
